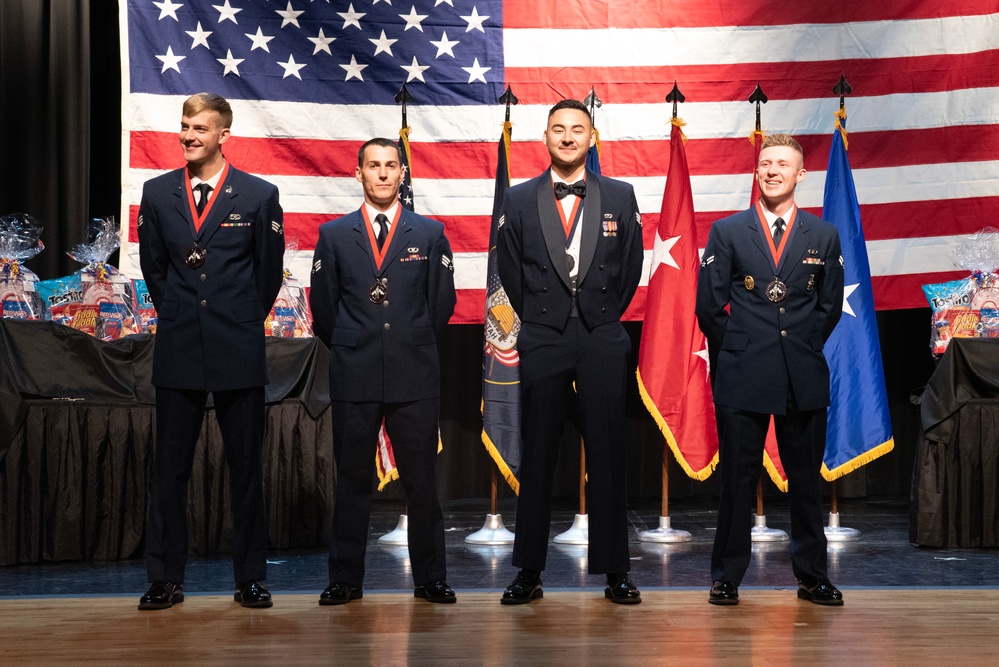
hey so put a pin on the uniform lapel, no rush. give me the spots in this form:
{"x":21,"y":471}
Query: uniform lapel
{"x":551,"y":226}
{"x":183,"y":208}
{"x":756,"y":233}
{"x":225,"y":202}
{"x":399,"y":240}
{"x":362,"y":240}
{"x":591,"y":225}
{"x":796,"y":246}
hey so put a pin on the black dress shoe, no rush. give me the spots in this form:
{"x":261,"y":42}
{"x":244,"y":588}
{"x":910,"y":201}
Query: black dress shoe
{"x":620,"y":590}
{"x":162,"y":595}
{"x":723,"y":593}
{"x":340,"y":593}
{"x":436,"y":591}
{"x":525,"y":587}
{"x":821,"y":593}
{"x":252,"y":594}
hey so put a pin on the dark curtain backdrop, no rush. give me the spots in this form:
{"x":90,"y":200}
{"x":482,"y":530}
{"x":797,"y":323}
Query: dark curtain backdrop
{"x":60,"y":126}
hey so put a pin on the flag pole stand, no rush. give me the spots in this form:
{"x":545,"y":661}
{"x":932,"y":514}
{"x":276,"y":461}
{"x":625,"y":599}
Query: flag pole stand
{"x":493,"y":532}
{"x":835,"y":532}
{"x":399,"y":536}
{"x":761,"y":533}
{"x":665,"y":534}
{"x":579,"y":533}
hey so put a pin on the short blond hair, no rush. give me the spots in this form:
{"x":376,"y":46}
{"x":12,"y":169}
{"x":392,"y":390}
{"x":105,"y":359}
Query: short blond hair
{"x":199,"y":102}
{"x":772,"y":140}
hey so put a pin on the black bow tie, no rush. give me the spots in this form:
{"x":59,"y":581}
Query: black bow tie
{"x":562,"y":189}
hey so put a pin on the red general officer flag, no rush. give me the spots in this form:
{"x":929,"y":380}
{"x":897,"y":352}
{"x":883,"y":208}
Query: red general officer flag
{"x":673,"y":357}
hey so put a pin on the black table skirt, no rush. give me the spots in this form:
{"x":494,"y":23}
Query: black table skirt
{"x":955,"y":488}
{"x":74,"y":481}
{"x":77,"y":425}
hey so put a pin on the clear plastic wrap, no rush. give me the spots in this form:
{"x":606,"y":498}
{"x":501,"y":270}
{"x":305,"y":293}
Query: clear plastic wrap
{"x":968,"y":308}
{"x":20,"y":240}
{"x":107,"y":310}
{"x":289,"y":317}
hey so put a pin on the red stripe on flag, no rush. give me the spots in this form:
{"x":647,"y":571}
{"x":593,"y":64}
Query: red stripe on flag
{"x":780,"y":80}
{"x":477,"y":160}
{"x":697,"y":14}
{"x":906,"y":291}
{"x":471,"y":307}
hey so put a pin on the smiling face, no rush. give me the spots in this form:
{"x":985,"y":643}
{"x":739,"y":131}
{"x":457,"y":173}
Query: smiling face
{"x":568,"y":136}
{"x":381,"y":175}
{"x":201,"y":137}
{"x":778,"y":172}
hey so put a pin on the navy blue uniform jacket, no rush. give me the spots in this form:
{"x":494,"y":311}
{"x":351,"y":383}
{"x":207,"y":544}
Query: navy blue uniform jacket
{"x":385,"y":352}
{"x":531,"y":252}
{"x":762,"y":346}
{"x":210,"y":334}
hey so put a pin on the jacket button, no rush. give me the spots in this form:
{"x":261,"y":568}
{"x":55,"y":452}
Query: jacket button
{"x":604,"y":290}
{"x":203,"y":277}
{"x":387,"y":326}
{"x":783,"y":332}
{"x":544,"y":311}
{"x":544,"y":290}
{"x":782,"y":310}
{"x":601,"y":267}
{"x":203,"y":303}
{"x":544,"y":268}
{"x":385,"y":303}
{"x":603,"y":310}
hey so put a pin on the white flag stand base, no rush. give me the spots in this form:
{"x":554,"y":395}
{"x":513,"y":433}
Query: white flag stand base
{"x":493,"y":532}
{"x":399,"y":536}
{"x":664,"y":534}
{"x":579,"y":533}
{"x":763,"y":534}
{"x":836,"y":533}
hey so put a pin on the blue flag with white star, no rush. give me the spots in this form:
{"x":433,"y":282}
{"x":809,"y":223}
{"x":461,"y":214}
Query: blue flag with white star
{"x":859,"y":428}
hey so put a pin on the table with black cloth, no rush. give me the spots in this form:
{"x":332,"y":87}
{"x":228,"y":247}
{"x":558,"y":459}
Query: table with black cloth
{"x":77,"y":425}
{"x":955,"y":487}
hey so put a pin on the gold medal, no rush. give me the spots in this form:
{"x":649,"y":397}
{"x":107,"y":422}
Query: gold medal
{"x":749,"y":282}
{"x":776,"y":290}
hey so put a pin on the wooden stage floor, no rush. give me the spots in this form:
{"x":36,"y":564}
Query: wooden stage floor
{"x":769,"y":627}
{"x":904,"y":605}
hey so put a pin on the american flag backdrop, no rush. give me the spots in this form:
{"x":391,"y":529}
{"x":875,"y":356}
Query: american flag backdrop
{"x":310,"y":80}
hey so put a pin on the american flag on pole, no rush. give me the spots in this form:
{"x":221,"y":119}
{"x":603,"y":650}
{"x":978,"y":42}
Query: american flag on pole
{"x":310,"y":80}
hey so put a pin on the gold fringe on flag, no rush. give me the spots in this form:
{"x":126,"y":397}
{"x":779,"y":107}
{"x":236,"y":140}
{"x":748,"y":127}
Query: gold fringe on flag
{"x":699,"y":475}
{"x":841,"y":115}
{"x":404,"y":138}
{"x":596,"y":135}
{"x":854,"y":463}
{"x":507,"y":130}
{"x":752,"y":136}
{"x":501,"y":465}
{"x":775,"y":477}
{"x":679,"y":122}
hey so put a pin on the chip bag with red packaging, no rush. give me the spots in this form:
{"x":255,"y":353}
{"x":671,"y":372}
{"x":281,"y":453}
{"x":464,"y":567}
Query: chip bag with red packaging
{"x":107,"y":308}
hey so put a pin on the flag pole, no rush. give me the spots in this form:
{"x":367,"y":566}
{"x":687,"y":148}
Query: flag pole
{"x":665,"y":533}
{"x":493,"y":531}
{"x":761,"y":532}
{"x":579,"y":532}
{"x":399,"y":536}
{"x":834,"y":531}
